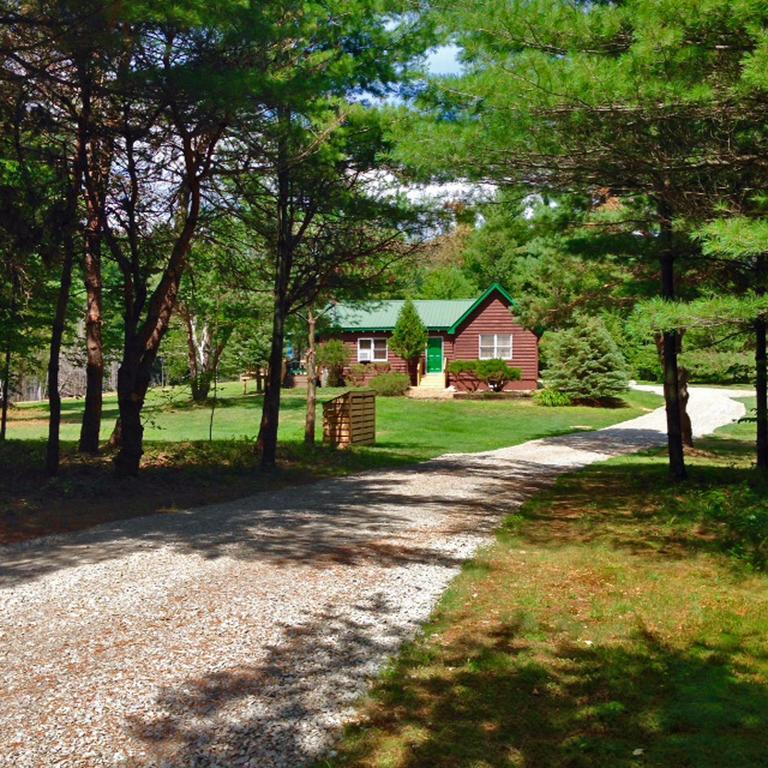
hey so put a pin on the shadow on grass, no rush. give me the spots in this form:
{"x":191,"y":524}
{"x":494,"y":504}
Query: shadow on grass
{"x":635,"y":505}
{"x":495,"y":704}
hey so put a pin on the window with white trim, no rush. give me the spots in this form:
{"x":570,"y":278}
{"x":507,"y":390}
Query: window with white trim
{"x":371,"y":350}
{"x":495,"y":346}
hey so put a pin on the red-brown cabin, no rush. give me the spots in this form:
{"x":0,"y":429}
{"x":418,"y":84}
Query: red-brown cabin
{"x":459,"y":329}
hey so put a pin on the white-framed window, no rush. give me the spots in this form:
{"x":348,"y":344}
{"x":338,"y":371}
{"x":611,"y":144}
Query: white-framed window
{"x":371,"y":350}
{"x":495,"y":346}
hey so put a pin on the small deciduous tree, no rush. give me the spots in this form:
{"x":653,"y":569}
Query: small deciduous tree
{"x":409,"y":338}
{"x":584,"y":362}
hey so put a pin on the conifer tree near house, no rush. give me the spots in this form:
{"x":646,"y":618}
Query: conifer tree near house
{"x":585,"y":363}
{"x":409,"y":338}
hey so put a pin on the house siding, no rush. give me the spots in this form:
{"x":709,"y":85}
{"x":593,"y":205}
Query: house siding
{"x":494,"y":316}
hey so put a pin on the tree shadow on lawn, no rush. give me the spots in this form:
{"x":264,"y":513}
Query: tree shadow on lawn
{"x":495,"y":701}
{"x":635,"y":505}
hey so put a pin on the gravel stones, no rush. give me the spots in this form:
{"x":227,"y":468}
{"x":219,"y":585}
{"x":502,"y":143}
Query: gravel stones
{"x":242,"y":634}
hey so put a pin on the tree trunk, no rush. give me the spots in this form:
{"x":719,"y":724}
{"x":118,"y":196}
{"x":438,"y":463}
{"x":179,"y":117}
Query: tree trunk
{"x":671,"y":343}
{"x":94,"y":369}
{"x":270,"y":414}
{"x":686,"y":428}
{"x":6,"y":391}
{"x":761,"y":393}
{"x":53,"y":448}
{"x":133,"y":379}
{"x":309,"y":426}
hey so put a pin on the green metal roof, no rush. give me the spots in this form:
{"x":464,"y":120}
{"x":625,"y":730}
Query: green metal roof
{"x":381,"y":315}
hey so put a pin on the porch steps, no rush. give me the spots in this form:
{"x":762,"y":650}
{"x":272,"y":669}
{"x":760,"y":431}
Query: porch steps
{"x":432,"y":381}
{"x":431,"y":386}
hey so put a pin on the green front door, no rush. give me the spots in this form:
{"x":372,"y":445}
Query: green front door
{"x":434,"y":354}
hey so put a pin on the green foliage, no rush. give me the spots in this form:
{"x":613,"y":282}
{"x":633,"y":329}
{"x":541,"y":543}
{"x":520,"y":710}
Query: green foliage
{"x":390,"y":384}
{"x":496,"y":373}
{"x":448,"y":283}
{"x":409,"y":337}
{"x":462,"y":366}
{"x":740,"y":512}
{"x":551,"y":398}
{"x":332,"y":354}
{"x":584,"y":362}
{"x":715,"y":366}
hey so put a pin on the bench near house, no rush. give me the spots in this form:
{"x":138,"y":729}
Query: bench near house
{"x":459,"y":329}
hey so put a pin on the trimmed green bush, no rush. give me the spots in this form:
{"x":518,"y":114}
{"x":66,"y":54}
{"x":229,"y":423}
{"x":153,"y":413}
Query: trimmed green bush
{"x":585,"y":363}
{"x":551,"y":398}
{"x":390,"y":384}
{"x":462,"y":366}
{"x":496,"y":373}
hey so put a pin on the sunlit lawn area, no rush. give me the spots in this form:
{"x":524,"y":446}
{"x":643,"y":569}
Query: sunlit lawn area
{"x":419,"y":428}
{"x":615,"y":623}
{"x":182,"y":469}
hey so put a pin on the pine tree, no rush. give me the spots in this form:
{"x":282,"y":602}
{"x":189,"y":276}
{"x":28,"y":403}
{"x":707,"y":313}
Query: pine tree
{"x":585,"y":363}
{"x":409,"y":337}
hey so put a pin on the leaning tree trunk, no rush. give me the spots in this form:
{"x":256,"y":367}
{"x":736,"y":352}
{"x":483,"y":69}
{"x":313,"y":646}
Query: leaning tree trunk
{"x":670,"y":351}
{"x":309,"y":425}
{"x":94,"y":368}
{"x":53,"y":448}
{"x":270,"y":414}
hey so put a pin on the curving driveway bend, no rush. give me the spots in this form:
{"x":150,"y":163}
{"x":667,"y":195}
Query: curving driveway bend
{"x":241,"y":634}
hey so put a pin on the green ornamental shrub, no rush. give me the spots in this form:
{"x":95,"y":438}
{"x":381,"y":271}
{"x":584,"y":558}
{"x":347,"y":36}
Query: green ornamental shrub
{"x":409,"y":338}
{"x":332,"y":355}
{"x":584,"y":362}
{"x":551,"y":398}
{"x":390,"y":384}
{"x":462,"y":366}
{"x":496,"y":373}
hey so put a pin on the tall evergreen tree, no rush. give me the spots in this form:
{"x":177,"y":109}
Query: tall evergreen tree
{"x":409,"y":338}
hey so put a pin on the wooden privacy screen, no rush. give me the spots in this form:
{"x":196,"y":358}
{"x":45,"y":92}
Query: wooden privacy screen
{"x":350,"y":419}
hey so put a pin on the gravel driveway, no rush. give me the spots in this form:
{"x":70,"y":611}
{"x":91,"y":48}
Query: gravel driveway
{"x":241,"y":634}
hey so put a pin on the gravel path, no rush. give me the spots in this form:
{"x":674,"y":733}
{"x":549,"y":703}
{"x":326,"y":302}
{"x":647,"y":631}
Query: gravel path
{"x":241,"y":634}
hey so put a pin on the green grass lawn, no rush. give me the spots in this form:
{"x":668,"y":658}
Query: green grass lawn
{"x":615,"y":623}
{"x":418,"y":428}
